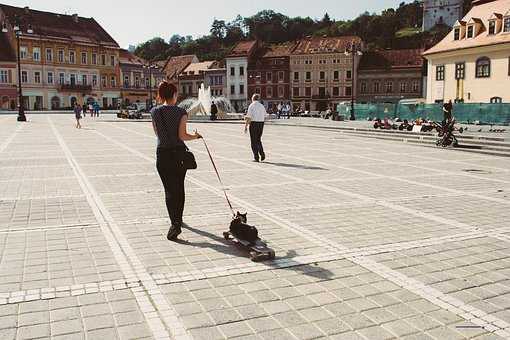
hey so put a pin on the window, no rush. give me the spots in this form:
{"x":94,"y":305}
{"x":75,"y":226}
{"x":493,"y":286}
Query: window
{"x":4,"y":78}
{"x":308,"y":91}
{"x":322,"y":75}
{"x":460,"y":71}
{"x":137,"y":82}
{"x":456,"y":34}
{"x":295,"y":91}
{"x":308,"y":76}
{"x":241,"y":89}
{"x":241,"y":70}
{"x":49,"y":55}
{"x":492,"y":27}
{"x":377,"y":87}
{"x":470,"y":31}
{"x":103,"y":59}
{"x":84,"y":58}
{"x":94,"y":59}
{"x":403,"y":87}
{"x":269,"y":92}
{"x":84,"y":80}
{"x":281,"y":91}
{"x":24,"y":77}
{"x":61,"y":78}
{"x":269,"y":77}
{"x":416,"y":87}
{"x":37,"y":77}
{"x":72,"y":77}
{"x":94,"y":80}
{"x":103,"y":81}
{"x":348,"y":74}
{"x":113,"y":81}
{"x":348,"y":91}
{"x":336,"y":91}
{"x":296,"y":76}
{"x":336,"y":75}
{"x":281,"y":76}
{"x":440,"y":72}
{"x":72,"y":59}
{"x":496,"y":100}
{"x":112,"y":60}
{"x":61,"y":56}
{"x":389,"y":87}
{"x":23,"y":51}
{"x":257,"y":90}
{"x":50,"y":77}
{"x":258,"y":77}
{"x":126,"y":81}
{"x":232,"y":71}
{"x":36,"y":53}
{"x":483,"y":67}
{"x":506,"y":25}
{"x":363,"y":87}
{"x":232,"y":89}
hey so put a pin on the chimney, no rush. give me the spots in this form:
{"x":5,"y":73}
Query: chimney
{"x":27,"y":9}
{"x":75,"y":17}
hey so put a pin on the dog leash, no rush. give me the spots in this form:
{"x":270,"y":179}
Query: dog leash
{"x":219,"y":177}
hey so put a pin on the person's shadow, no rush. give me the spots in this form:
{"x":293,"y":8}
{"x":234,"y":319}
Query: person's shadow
{"x":226,"y":247}
{"x":296,"y":166}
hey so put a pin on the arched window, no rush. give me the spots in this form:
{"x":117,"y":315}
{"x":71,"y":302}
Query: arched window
{"x":483,"y":67}
{"x":496,"y":100}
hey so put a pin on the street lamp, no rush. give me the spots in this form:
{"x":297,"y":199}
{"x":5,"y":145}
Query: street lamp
{"x":150,"y":66}
{"x":354,"y":50}
{"x":18,"y":32}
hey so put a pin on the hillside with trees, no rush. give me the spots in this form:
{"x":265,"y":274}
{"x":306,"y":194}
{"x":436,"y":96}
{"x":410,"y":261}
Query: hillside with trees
{"x":392,"y":28}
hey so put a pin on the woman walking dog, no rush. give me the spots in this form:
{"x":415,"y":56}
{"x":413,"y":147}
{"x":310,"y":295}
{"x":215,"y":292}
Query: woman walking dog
{"x":170,"y":125}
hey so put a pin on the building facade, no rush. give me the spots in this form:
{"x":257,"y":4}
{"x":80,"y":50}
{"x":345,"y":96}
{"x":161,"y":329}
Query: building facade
{"x":8,"y":89}
{"x":441,"y":12}
{"x":66,"y":60}
{"x":472,"y":63}
{"x":237,"y":73}
{"x":321,"y":73}
{"x":137,"y":76}
{"x":192,"y":78}
{"x":216,"y":79}
{"x":269,"y":74}
{"x":388,"y":76}
{"x":174,"y":66}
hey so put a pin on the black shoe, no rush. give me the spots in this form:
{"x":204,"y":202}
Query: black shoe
{"x":173,"y":233}
{"x":263,"y":157}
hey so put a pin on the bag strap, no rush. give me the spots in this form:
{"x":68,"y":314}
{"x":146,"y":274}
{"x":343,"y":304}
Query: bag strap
{"x":219,"y":177}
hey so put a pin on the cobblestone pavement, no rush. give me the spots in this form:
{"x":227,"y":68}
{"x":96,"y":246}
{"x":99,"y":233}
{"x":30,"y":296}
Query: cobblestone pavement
{"x":374,"y":239}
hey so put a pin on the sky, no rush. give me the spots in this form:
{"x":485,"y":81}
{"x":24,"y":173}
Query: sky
{"x":131,"y":22}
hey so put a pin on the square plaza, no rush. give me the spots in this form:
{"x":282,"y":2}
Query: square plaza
{"x":374,"y":239}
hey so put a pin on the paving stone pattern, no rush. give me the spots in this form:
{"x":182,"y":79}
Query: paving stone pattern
{"x":374,"y":239}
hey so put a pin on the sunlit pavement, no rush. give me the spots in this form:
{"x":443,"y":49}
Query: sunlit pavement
{"x":374,"y":239}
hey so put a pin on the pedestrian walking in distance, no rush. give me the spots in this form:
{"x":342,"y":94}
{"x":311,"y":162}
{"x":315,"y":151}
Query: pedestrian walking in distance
{"x":170,"y":125}
{"x":255,"y":121}
{"x":77,"y":115}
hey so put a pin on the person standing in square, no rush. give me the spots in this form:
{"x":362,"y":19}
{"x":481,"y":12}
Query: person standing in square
{"x":255,"y":121}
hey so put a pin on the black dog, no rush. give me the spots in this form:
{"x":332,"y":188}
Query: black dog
{"x":243,"y":231}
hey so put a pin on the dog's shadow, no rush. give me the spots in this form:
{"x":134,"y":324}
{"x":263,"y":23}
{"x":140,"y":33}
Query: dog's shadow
{"x":226,"y":247}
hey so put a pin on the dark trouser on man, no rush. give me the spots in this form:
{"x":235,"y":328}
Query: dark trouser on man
{"x":256,"y":130}
{"x":172,"y":176}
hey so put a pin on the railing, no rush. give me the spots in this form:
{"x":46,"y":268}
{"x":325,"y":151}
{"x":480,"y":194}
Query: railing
{"x":321,"y":96}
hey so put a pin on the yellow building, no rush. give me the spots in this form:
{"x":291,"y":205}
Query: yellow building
{"x":65,"y":59}
{"x":472,"y":64}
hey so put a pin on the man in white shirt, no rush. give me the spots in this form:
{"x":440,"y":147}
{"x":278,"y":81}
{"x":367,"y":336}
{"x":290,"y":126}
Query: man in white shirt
{"x":255,"y":120}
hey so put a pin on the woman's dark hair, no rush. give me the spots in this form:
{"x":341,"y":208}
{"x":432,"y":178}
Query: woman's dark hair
{"x":166,"y":91}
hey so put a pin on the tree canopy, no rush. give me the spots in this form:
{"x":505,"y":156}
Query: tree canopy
{"x":377,"y":30}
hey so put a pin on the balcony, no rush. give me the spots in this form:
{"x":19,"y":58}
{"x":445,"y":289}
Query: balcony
{"x":324,"y":96}
{"x":76,"y":87}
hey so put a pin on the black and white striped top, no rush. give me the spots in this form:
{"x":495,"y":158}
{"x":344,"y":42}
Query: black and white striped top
{"x":167,"y":119}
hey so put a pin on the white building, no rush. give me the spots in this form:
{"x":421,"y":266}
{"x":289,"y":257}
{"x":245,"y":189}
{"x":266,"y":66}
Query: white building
{"x":237,"y":73}
{"x":445,"y":12}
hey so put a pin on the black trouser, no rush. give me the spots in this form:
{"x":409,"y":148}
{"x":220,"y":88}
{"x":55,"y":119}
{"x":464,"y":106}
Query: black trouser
{"x":172,"y":175}
{"x":256,"y":130}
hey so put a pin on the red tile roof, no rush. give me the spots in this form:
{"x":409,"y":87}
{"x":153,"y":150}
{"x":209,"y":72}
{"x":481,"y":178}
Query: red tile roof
{"x":387,"y":59}
{"x":243,"y":48}
{"x":127,"y":57}
{"x":7,"y":53}
{"x":278,"y":50}
{"x":316,"y":45}
{"x":59,"y":25}
{"x":175,"y":65}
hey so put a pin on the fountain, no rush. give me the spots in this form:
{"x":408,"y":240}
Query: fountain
{"x":200,"y":108}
